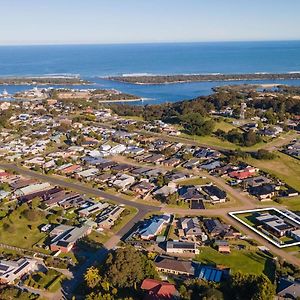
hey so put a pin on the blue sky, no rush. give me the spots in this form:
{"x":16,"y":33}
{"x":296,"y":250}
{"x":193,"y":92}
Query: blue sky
{"x":131,"y":21}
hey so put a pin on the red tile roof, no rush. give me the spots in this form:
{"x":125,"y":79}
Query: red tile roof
{"x":4,"y":174}
{"x":158,"y":289}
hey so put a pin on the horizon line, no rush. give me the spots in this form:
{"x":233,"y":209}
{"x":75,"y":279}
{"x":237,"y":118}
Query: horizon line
{"x":146,"y":43}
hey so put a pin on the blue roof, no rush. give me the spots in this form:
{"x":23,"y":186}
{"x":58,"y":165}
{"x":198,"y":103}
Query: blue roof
{"x":208,"y":273}
{"x":152,"y":226}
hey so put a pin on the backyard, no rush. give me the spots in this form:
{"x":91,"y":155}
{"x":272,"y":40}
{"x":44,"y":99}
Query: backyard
{"x":244,"y":261}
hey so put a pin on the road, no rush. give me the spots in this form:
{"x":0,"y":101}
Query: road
{"x":244,"y":202}
{"x":98,"y":256}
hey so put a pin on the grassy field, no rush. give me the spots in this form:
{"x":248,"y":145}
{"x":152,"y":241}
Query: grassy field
{"x":244,"y":261}
{"x":194,"y":181}
{"x":225,"y":126}
{"x":23,"y":233}
{"x":210,"y":141}
{"x":284,"y":167}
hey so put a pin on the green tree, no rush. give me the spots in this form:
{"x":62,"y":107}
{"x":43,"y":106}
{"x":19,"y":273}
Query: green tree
{"x":196,"y":124}
{"x":127,"y":267}
{"x":92,"y":277}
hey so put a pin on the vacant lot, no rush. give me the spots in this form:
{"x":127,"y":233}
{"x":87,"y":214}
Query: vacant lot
{"x":194,"y":181}
{"x":21,"y":232}
{"x":284,"y":167}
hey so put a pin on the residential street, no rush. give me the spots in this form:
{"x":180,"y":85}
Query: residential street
{"x":244,"y":202}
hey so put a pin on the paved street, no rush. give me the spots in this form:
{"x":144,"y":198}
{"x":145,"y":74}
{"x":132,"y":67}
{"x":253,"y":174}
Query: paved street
{"x":244,"y":202}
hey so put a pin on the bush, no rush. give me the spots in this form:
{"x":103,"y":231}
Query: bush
{"x":264,"y":154}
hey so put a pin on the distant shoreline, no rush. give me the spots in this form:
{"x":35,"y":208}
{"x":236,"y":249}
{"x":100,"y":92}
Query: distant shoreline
{"x":173,"y":79}
{"x":64,"y":80}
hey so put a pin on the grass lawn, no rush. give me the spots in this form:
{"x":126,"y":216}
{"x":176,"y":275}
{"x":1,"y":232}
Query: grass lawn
{"x":284,"y":167}
{"x":233,"y":202}
{"x":99,"y":237}
{"x":225,"y":126}
{"x":194,"y":181}
{"x":24,"y":233}
{"x":45,"y":281}
{"x":244,"y":261}
{"x":210,"y":141}
{"x":124,"y":219}
{"x":292,"y":203}
{"x":135,"y":118}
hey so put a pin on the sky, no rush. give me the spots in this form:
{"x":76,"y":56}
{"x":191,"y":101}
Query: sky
{"x":141,"y":21}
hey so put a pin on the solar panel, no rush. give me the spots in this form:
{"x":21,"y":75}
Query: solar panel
{"x":218,"y":276}
{"x":201,"y":275}
{"x":67,"y":236}
{"x":212,"y":275}
{"x":20,"y":268}
{"x":207,"y":274}
{"x":4,"y":268}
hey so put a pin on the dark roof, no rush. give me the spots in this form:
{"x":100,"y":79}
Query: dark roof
{"x":214,"y":226}
{"x":288,"y":288}
{"x":190,"y":193}
{"x":262,"y":190}
{"x":174,"y":264}
{"x":213,"y":190}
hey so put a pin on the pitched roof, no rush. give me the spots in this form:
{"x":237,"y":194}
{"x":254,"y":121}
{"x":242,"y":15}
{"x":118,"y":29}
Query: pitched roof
{"x":158,"y":289}
{"x":183,"y":266}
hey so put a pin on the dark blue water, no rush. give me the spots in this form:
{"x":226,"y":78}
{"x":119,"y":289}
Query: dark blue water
{"x":92,"y":61}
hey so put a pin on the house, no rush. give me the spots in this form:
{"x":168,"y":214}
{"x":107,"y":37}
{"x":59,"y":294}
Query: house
{"x":60,"y":196}
{"x":206,"y":153}
{"x":173,"y":266}
{"x":152,"y":227}
{"x":263,"y":192}
{"x":166,"y":190}
{"x":4,"y":194}
{"x":11,"y":270}
{"x":190,"y":193}
{"x":71,"y":169}
{"x":66,"y":236}
{"x":4,"y":176}
{"x":180,"y":247}
{"x":20,"y":183}
{"x":256,"y":181}
{"x":108,"y":217}
{"x":123,"y":181}
{"x":209,"y":166}
{"x":87,"y":174}
{"x":117,"y":149}
{"x":192,"y":163}
{"x":142,"y":188}
{"x":171,"y":162}
{"x":272,"y":131}
{"x":275,"y":224}
{"x":288,"y":288}
{"x":154,"y":159}
{"x":156,"y":289}
{"x":176,"y":176}
{"x":216,"y":195}
{"x":295,"y":234}
{"x":92,"y":209}
{"x":190,"y":227}
{"x":222,"y":246}
{"x":75,"y":202}
{"x":33,"y":188}
{"x":215,"y":227}
{"x":244,"y":173}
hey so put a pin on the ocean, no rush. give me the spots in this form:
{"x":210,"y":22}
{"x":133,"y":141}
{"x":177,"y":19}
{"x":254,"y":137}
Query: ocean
{"x":96,"y":61}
